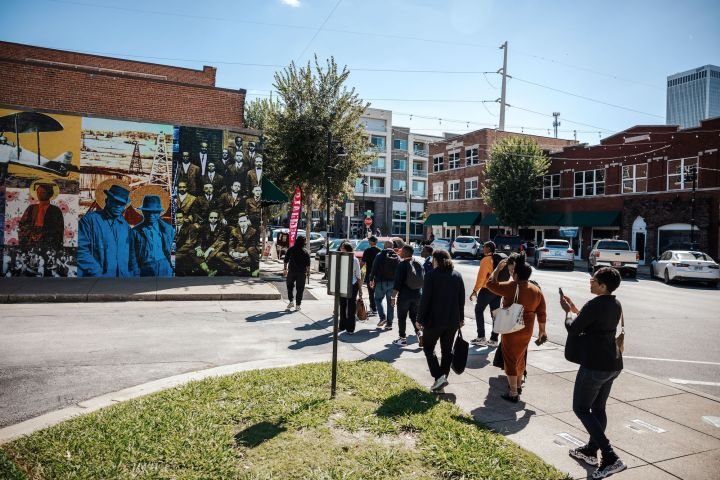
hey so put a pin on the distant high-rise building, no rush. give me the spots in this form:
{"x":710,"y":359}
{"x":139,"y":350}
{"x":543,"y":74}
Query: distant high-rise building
{"x":693,"y":96}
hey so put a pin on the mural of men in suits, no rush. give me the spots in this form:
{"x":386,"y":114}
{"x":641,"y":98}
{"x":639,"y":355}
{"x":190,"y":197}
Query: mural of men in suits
{"x":232,"y":202}
{"x":152,"y":240}
{"x":225,"y":161}
{"x":237,"y":172}
{"x":184,"y":201}
{"x":201,"y":160}
{"x":214,"y":238}
{"x":253,"y":205}
{"x":189,"y":173}
{"x":214,"y":178}
{"x":188,"y":259}
{"x":251,"y":151}
{"x":243,"y":245}
{"x":42,"y":224}
{"x":205,"y":202}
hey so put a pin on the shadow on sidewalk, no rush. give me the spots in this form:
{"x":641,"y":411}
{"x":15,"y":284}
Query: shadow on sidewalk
{"x":259,"y":317}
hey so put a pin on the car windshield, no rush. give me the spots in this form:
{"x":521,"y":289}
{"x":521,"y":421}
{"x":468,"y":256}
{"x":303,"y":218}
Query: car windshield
{"x":465,"y":240}
{"x":556,"y":244}
{"x":362,"y":246}
{"x":613,"y":245}
{"x":693,"y":256}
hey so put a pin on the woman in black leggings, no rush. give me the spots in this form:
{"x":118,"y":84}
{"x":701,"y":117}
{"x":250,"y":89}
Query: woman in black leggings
{"x":298,"y":261}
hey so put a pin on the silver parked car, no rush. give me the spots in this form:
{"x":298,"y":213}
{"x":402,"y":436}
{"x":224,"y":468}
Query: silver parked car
{"x":441,"y":244}
{"x":676,"y":265}
{"x":465,"y":245}
{"x":555,"y":252}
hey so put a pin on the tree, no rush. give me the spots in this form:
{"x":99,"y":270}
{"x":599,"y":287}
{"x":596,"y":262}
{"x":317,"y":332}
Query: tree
{"x":315,"y":105}
{"x":513,"y":180}
{"x":259,"y":112}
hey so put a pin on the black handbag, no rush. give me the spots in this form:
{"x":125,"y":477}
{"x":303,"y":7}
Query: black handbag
{"x":498,"y":358}
{"x":459,"y":353}
{"x":574,"y":348}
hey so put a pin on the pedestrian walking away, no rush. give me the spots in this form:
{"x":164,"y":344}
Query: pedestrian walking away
{"x":382,"y":280}
{"x":409,"y":278}
{"x":426,"y":253}
{"x":484,"y":296}
{"x":348,"y":305}
{"x":297,"y":265}
{"x":600,"y":362}
{"x":367,"y":260}
{"x":441,"y":315}
{"x":515,"y":344}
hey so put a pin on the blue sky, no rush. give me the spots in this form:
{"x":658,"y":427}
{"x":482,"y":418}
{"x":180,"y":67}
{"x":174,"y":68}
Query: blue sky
{"x":616,"y":52}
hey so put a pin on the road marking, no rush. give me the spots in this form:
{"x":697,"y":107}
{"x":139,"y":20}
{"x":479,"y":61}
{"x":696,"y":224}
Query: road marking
{"x":694,"y":382}
{"x":714,"y":421}
{"x":649,"y":426}
{"x":570,"y":438}
{"x":635,"y":429}
{"x":671,"y":360}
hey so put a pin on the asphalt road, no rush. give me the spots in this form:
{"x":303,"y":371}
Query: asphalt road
{"x":671,"y":331}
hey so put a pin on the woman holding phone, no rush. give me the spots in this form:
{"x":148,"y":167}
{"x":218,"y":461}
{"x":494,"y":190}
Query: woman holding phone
{"x":600,"y":364}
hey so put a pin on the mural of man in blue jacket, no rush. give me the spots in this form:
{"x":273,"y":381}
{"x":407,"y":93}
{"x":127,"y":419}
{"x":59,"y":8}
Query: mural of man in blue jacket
{"x":152,"y":240}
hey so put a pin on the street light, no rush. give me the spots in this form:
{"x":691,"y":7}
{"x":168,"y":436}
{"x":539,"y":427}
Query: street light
{"x":338,"y":152}
{"x":364,"y":184}
{"x":691,"y":174}
{"x":407,"y":213}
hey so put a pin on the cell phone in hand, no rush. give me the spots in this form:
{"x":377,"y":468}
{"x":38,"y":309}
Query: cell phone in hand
{"x":562,"y":295}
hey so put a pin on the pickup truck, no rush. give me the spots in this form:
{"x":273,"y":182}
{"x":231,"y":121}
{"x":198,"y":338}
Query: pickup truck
{"x":613,"y":253}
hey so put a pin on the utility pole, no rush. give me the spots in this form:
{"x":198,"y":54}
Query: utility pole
{"x":504,"y":47}
{"x":556,"y":122}
{"x":691,"y":174}
{"x":407,"y":188}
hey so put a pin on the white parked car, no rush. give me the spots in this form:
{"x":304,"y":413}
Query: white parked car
{"x":441,"y":244}
{"x":465,"y":245}
{"x":555,"y":252}
{"x":676,"y":265}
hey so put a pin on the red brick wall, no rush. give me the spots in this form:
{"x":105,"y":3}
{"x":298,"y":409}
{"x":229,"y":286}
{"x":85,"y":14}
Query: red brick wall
{"x":174,"y":74}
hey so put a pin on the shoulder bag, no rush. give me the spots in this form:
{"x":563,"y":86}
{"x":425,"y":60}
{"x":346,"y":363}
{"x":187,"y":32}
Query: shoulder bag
{"x":459,"y":353}
{"x":509,"y":319}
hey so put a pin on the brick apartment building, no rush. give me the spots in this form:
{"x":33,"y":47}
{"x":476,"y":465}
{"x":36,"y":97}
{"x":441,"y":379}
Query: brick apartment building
{"x":635,"y":185}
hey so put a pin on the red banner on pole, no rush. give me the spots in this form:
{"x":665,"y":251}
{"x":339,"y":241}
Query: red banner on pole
{"x":295,"y":214}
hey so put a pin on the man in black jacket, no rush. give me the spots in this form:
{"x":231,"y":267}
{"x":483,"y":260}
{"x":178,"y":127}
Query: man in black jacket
{"x":368,"y":258}
{"x":382,"y":280}
{"x":298,"y":259}
{"x":406,"y":296}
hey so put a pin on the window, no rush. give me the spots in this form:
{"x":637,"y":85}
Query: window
{"x":374,"y":124}
{"x":437,"y":192}
{"x":418,"y":188}
{"x":678,"y":173}
{"x":438,"y":163}
{"x":398,"y":185}
{"x":419,"y":149}
{"x":378,"y":143}
{"x":471,"y":187}
{"x":472,"y":157}
{"x":634,"y":178}
{"x":551,"y":186}
{"x":454,"y":190}
{"x":399,"y":164}
{"x":453,"y":160}
{"x":399,"y":144}
{"x":589,"y":183}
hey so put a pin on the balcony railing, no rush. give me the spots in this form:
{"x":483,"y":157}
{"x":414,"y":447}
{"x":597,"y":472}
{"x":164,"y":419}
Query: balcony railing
{"x":420,"y":153}
{"x":370,"y":190}
{"x":419,"y":173}
{"x":371,"y":169}
{"x":376,"y":149}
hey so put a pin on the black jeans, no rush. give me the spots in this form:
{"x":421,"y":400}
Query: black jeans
{"x":347,"y":311}
{"x":485,"y":298}
{"x":446,"y":335}
{"x":592,"y":389}
{"x":405,"y":305}
{"x":371,"y":295}
{"x":297,"y":280}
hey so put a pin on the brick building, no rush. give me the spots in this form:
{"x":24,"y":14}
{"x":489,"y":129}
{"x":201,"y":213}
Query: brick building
{"x":636,"y":185}
{"x":456,"y":173}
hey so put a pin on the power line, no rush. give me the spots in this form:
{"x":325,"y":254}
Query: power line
{"x":565,"y":119}
{"x":337,"y":4}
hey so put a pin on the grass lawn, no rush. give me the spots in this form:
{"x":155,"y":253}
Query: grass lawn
{"x":276,"y":424}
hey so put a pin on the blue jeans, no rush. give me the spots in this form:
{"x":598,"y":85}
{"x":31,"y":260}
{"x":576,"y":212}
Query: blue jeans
{"x":592,"y":389}
{"x":383,"y":291}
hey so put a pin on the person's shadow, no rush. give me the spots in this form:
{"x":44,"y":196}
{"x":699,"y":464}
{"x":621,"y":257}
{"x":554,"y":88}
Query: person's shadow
{"x":499,"y":414}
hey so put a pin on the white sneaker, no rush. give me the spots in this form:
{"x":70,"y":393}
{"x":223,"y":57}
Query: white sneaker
{"x":478,"y":341}
{"x":290,"y":306}
{"x":402,"y":342}
{"x":297,"y":309}
{"x":439,"y":383}
{"x":491,"y":343}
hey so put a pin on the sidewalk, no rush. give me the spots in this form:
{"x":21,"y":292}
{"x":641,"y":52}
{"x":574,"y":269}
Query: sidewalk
{"x":661,"y":431}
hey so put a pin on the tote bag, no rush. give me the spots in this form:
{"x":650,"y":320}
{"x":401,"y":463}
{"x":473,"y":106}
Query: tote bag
{"x":509,"y":319}
{"x":361,"y":310}
{"x":459,"y":353}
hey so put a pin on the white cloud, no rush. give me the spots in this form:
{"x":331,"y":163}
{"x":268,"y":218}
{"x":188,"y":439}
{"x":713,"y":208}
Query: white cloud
{"x":291,"y":3}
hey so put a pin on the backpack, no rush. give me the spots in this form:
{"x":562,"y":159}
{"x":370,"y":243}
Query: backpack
{"x":415,"y":277}
{"x":389,"y":262}
{"x":504,"y":274}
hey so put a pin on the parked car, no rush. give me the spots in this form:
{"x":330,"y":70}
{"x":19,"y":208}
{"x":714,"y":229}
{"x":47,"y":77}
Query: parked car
{"x":508,"y":244}
{"x":441,"y":244}
{"x":334,"y":245}
{"x":555,"y":252}
{"x":316,"y":242}
{"x":364,"y":244}
{"x":466,"y":246}
{"x":686,"y":265}
{"x":614,"y":253}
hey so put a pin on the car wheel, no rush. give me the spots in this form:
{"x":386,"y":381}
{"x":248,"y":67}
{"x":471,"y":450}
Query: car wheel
{"x":590,"y":268}
{"x":632,"y":273}
{"x":666,"y":277}
{"x":571,"y":267}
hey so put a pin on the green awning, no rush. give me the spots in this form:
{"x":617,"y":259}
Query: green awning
{"x":591,"y":219}
{"x":453,"y":219}
{"x":547,"y":219}
{"x":271,"y":193}
{"x":490,"y":219}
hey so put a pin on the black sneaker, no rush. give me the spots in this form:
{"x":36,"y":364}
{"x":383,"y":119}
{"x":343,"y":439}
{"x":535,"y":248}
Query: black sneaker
{"x":608,"y":467}
{"x":586,"y":453}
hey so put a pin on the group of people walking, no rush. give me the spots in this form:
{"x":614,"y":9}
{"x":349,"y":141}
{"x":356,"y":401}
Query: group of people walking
{"x":432,"y":294}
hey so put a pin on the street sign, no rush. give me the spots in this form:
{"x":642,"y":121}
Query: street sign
{"x":349,"y":209}
{"x":368,"y":221}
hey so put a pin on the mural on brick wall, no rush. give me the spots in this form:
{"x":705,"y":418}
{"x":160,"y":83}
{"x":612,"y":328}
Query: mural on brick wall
{"x":215,"y":208}
{"x":95,"y":197}
{"x":39,"y":164}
